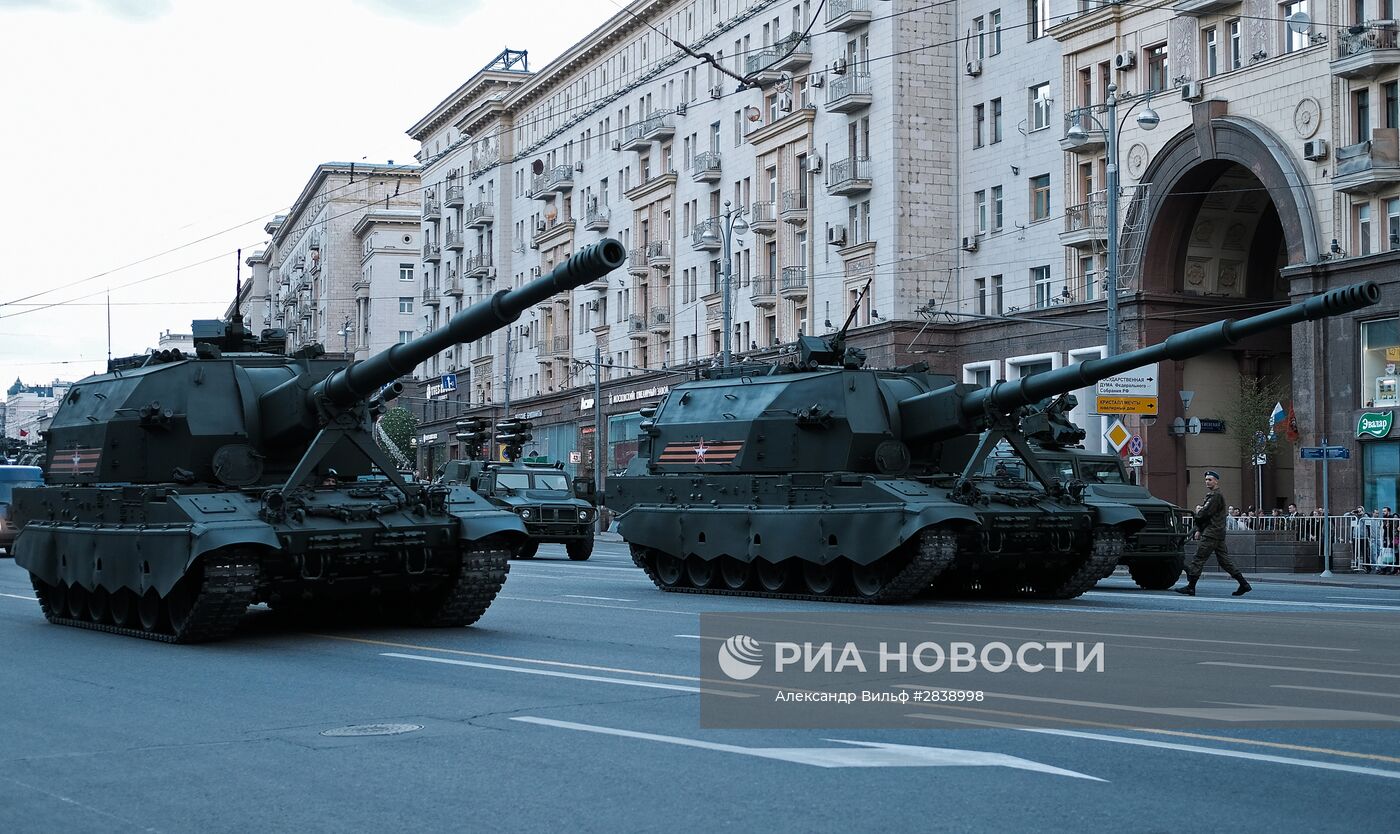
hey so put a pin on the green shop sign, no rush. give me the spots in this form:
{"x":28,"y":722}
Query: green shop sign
{"x":1374,"y":423}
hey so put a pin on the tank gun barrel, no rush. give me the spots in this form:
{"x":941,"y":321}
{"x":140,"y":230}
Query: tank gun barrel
{"x":357,"y":382}
{"x":932,"y":416}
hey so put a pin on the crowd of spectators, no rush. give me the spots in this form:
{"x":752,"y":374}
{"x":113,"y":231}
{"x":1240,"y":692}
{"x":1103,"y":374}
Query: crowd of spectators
{"x":1374,"y":537}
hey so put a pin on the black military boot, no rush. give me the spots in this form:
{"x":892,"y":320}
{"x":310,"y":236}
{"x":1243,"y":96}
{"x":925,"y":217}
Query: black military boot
{"x":1244,"y":588}
{"x":1190,"y":587}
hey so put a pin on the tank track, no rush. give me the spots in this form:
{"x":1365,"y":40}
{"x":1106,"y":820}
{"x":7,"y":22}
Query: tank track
{"x":484,"y":570}
{"x":1102,"y":561}
{"x":226,"y":592}
{"x":936,"y":551}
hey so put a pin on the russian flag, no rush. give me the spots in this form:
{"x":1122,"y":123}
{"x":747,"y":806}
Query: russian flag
{"x":1278,"y":415}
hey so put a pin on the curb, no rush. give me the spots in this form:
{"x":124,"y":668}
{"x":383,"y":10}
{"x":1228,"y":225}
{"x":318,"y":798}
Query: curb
{"x":1367,"y":584}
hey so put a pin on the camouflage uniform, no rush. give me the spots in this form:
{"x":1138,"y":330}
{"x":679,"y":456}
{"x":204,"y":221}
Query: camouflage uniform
{"x":1210,"y":523}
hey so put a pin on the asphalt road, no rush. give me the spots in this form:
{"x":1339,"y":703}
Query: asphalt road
{"x":574,"y":705}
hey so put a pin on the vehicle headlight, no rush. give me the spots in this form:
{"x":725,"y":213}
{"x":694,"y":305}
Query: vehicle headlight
{"x":525,"y":513}
{"x":583,"y":515}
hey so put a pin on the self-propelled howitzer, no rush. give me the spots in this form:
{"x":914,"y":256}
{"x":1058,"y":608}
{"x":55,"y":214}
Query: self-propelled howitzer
{"x":828,"y":480}
{"x":183,"y":490}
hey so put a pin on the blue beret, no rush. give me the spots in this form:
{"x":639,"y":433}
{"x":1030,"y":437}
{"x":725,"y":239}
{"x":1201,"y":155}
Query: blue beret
{"x":1211,"y":473}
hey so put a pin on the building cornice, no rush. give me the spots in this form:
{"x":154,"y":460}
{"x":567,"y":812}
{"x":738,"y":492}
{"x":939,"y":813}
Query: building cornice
{"x":463,"y":98}
{"x":323,"y":172}
{"x":775,"y":133}
{"x":388,"y":218}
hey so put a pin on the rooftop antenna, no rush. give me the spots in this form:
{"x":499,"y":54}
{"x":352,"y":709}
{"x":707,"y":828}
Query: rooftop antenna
{"x":109,"y":327}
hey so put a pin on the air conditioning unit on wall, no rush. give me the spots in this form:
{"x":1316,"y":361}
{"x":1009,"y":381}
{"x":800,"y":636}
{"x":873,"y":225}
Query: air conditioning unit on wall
{"x":1315,"y":149}
{"x":836,"y":235}
{"x":1124,"y":61}
{"x":1192,"y":91}
{"x":974,"y":67}
{"x":969,"y":243}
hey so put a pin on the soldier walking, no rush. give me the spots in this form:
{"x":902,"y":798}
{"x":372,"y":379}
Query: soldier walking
{"x":1210,"y":533}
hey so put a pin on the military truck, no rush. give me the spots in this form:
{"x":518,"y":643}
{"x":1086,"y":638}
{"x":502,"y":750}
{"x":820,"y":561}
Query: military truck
{"x":553,"y":508}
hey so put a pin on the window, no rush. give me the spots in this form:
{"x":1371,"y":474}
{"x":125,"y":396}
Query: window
{"x":1392,"y":222}
{"x":980,"y":294}
{"x":996,"y":207}
{"x":1361,"y":115}
{"x":1040,"y":106}
{"x":1040,"y":197}
{"x":1293,"y":41}
{"x":1086,"y":278}
{"x":405,"y":304}
{"x":1211,"y":49}
{"x":994,"y":20}
{"x":1037,"y":18}
{"x":1361,"y":228}
{"x":979,"y":123}
{"x":996,"y":120}
{"x":979,"y":203}
{"x":996,"y":295}
{"x":1156,"y":67}
{"x":979,"y":28}
{"x":405,"y":336}
{"x":405,"y":272}
{"x":1040,"y":279}
{"x":1390,"y":91}
{"x":1380,"y":358}
{"x":1235,"y":55}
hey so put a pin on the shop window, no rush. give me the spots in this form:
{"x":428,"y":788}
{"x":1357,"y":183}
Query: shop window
{"x":1380,"y":359}
{"x":1381,"y":465}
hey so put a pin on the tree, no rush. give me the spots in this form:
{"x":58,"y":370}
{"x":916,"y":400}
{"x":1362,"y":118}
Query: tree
{"x":400,"y":425}
{"x":1248,"y":413}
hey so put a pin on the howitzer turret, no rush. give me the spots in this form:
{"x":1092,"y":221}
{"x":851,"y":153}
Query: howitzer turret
{"x":824,"y":478}
{"x":252,"y":475}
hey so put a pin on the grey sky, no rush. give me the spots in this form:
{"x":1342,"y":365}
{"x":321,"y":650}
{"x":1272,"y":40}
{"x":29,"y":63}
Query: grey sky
{"x":133,"y":127}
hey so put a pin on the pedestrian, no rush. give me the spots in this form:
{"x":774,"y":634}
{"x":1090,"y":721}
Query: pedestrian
{"x":1210,"y":535}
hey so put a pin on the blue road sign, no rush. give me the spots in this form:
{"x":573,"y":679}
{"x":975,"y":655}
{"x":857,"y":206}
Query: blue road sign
{"x":1327,"y":452}
{"x":449,"y":382}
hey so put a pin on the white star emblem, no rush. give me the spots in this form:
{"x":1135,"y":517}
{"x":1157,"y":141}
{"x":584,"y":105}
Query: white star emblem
{"x":700,"y":450}
{"x":77,"y":458}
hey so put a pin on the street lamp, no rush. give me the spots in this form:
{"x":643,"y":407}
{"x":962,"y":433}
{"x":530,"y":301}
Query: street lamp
{"x":344,"y":334}
{"x":1147,"y":120}
{"x":731,"y":223}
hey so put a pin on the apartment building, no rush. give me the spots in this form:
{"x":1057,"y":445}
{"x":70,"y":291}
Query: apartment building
{"x":835,"y":157}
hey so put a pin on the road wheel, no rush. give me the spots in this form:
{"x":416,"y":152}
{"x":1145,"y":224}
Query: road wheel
{"x":772,"y":577}
{"x":77,"y":601}
{"x":123,"y":606}
{"x":669,"y":569}
{"x":99,"y":605}
{"x":527,"y":550}
{"x":734,"y":574}
{"x":700,"y":572}
{"x":151,"y":611}
{"x":869,"y":580}
{"x":1155,"y":576}
{"x":820,"y":579}
{"x":580,"y":550}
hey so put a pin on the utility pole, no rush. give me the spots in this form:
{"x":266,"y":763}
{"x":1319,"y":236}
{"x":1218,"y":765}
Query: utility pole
{"x":508,"y":329}
{"x":731,"y":222}
{"x":598,"y":432}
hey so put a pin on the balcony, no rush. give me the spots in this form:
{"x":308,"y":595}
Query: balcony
{"x":431,"y":298}
{"x":1367,"y":167}
{"x":432,"y":253}
{"x":596,"y":219}
{"x":844,"y":15}
{"x":794,"y":208}
{"x":763,"y":218}
{"x":659,"y":254}
{"x":636,"y":326}
{"x":1086,"y":225}
{"x":547,"y":232}
{"x":561,"y":346}
{"x":477,"y":265}
{"x":659,"y":320}
{"x":454,"y":240}
{"x":1363,"y":52}
{"x":848,"y":93}
{"x":599,"y":285}
{"x":706,"y":237}
{"x":848,"y":177}
{"x":558,"y":178}
{"x":762,"y":67}
{"x":658,"y":127}
{"x":705,"y":167}
{"x":432,"y":209}
{"x":794,"y":283}
{"x":634,"y":137}
{"x":456,"y":196}
{"x":637,"y":263}
{"x":764,"y":292}
{"x":479,"y":216}
{"x":798,"y":57}
{"x":1093,"y":141}
{"x":453,"y":286}
{"x":1198,"y":8}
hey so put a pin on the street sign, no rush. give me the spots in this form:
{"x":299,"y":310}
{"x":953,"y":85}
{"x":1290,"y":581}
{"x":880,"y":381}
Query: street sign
{"x":1260,"y":460}
{"x":1135,"y":445}
{"x":1117,"y":435}
{"x":1135,"y":461}
{"x":1210,"y":425}
{"x":1117,"y":404}
{"x":1324,"y":453}
{"x":1186,"y":398}
{"x":576,"y":457}
{"x":1141,"y":382}
{"x":1194,"y":425}
{"x":449,"y":382}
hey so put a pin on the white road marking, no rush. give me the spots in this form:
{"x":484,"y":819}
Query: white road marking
{"x":1148,"y":637}
{"x":1231,"y":712}
{"x":511,"y":658}
{"x":1266,"y":602}
{"x":570,"y":675}
{"x":572,"y":566}
{"x":604,"y":599}
{"x":1338,"y":691}
{"x":599,"y":605}
{"x":859,"y":754}
{"x":560,"y":577}
{"x":19,"y":596}
{"x":1217,"y":751}
{"x":1297,"y":669}
{"x":1391,"y":598}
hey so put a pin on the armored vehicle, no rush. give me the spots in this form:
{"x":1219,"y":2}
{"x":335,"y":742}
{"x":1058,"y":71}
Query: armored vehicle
{"x":827,"y":480}
{"x":12,"y":478}
{"x":541,"y":494}
{"x":181,"y":491}
{"x":1154,"y":555}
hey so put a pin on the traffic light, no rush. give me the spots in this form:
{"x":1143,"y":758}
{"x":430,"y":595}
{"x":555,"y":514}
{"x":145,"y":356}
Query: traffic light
{"x":513,"y":434}
{"x":472,"y":434}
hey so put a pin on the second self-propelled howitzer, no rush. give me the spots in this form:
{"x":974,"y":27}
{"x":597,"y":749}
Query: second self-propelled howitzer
{"x":827,"y":480}
{"x":186,"y":488}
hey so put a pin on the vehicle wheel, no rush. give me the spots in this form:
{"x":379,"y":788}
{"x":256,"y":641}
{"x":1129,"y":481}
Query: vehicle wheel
{"x":868,"y":580}
{"x":179,"y":603}
{"x":700,"y":572}
{"x":669,"y":569}
{"x":527,"y":550}
{"x":77,"y":601}
{"x":820,"y":579}
{"x":99,"y":605}
{"x":150,"y":610}
{"x":772,"y":577}
{"x":123,"y":606}
{"x":734,"y":573}
{"x":1155,"y":576}
{"x":580,"y":550}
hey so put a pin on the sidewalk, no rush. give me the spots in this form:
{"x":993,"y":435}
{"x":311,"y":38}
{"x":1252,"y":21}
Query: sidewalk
{"x":1336,"y":580}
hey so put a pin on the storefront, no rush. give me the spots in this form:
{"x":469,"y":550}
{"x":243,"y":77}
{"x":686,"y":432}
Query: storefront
{"x":1380,"y":459}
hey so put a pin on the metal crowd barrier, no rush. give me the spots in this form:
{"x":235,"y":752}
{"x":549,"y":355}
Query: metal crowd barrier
{"x":1371,"y":543}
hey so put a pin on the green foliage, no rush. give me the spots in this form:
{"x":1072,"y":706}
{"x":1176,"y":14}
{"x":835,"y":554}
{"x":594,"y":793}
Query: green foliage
{"x":400,"y":424}
{"x":1248,"y":412}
